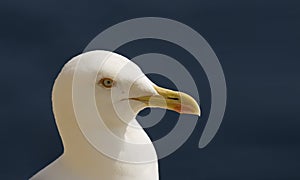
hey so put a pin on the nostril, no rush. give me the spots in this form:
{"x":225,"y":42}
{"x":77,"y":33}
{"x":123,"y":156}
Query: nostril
{"x":173,"y":98}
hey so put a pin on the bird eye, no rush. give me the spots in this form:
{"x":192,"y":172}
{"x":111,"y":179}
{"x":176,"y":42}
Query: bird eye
{"x":106,"y":82}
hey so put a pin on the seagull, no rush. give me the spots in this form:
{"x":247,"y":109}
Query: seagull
{"x":96,"y":98}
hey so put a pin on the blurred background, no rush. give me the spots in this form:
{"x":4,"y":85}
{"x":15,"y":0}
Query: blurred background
{"x":257,"y":43}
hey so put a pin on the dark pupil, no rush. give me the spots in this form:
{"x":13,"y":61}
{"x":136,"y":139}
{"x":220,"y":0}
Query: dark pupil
{"x":108,"y":82}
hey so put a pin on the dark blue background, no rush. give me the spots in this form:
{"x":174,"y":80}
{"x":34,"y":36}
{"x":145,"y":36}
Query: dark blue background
{"x":257,"y":43}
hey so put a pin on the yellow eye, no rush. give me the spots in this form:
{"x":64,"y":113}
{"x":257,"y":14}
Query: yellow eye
{"x":106,"y":82}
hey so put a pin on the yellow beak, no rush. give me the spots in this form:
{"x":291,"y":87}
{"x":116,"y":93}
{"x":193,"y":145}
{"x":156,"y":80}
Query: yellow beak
{"x":172,"y":100}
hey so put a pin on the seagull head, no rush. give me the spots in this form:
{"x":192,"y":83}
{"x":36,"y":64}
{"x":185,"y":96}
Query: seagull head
{"x":117,"y":87}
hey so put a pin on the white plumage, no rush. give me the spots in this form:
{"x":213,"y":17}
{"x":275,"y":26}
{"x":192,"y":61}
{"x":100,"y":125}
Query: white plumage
{"x":120,"y":91}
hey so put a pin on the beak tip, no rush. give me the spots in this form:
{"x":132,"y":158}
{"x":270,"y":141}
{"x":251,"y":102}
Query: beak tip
{"x":194,"y":111}
{"x":198,"y":112}
{"x":195,"y":108}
